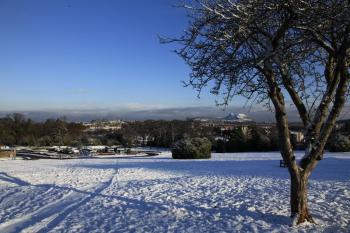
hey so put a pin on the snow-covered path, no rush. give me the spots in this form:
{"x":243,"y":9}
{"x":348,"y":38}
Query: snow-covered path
{"x":229,"y":193}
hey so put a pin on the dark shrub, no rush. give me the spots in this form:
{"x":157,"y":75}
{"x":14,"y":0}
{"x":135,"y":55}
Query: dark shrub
{"x":258,"y":140}
{"x":195,"y":148}
{"x":219,"y":146}
{"x":339,"y":143}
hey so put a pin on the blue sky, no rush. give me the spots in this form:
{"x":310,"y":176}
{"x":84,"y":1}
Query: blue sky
{"x":87,"y":54}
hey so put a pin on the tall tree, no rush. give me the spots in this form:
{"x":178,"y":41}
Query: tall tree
{"x":275,"y":52}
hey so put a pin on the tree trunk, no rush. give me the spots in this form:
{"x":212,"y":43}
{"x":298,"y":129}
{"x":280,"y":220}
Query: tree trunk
{"x":298,"y":199}
{"x":294,"y":203}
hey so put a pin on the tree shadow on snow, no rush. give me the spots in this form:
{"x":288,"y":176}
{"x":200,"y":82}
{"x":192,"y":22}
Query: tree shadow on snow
{"x":11,"y":179}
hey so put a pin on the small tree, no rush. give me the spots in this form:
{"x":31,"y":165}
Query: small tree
{"x":339,"y":143}
{"x":275,"y":52}
{"x":237,"y":141}
{"x":195,"y":148}
{"x":258,"y":140}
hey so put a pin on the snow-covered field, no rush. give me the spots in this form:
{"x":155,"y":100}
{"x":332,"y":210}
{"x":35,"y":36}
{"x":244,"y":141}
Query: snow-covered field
{"x":246,"y":192}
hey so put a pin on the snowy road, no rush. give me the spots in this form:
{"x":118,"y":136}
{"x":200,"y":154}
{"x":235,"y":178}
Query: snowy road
{"x":229,"y":193}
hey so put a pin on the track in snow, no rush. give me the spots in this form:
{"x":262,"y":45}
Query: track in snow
{"x":49,"y":216}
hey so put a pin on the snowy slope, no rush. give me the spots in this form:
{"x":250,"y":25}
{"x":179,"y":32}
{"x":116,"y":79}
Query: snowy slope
{"x":243,"y":192}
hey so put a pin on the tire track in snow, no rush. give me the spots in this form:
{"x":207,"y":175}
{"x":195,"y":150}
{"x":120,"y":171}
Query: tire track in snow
{"x":49,"y":216}
{"x":45,"y":226}
{"x":59,"y":217}
{"x":9,"y":194}
{"x":25,"y":221}
{"x":18,"y":210}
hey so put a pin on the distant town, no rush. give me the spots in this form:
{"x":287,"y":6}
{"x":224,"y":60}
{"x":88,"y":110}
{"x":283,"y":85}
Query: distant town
{"x":57,"y":138}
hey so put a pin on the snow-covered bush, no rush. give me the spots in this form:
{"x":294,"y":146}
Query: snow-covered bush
{"x":195,"y":148}
{"x":339,"y":143}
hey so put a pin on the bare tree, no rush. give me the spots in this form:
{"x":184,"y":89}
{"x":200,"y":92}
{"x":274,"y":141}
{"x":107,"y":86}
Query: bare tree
{"x":275,"y":52}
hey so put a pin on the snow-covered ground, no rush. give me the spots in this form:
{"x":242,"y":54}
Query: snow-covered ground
{"x":244,"y":192}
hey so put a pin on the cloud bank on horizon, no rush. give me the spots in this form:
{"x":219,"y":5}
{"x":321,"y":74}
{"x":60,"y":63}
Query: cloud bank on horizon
{"x":256,"y":113}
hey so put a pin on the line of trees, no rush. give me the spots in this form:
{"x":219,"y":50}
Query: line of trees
{"x":161,"y":133}
{"x":15,"y":129}
{"x":255,"y":139}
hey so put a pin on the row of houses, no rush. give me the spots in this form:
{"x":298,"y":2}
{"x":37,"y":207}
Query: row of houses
{"x":103,"y":125}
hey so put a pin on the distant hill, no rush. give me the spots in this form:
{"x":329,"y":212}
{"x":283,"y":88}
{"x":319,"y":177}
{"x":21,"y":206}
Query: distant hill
{"x":231,"y":117}
{"x":240,"y":117}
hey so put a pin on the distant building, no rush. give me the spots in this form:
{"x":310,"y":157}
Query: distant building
{"x":103,"y":125}
{"x":298,"y":136}
{"x":6,"y":152}
{"x":3,"y":147}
